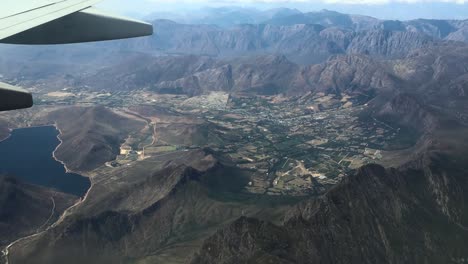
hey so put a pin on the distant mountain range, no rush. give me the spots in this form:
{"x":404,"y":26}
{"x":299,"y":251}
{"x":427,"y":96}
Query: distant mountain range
{"x":235,"y":15}
{"x":224,"y":16}
{"x":304,"y":38}
{"x":414,"y":74}
{"x":231,"y":17}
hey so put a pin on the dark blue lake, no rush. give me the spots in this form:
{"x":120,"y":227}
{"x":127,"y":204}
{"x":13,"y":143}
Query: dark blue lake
{"x":27,"y":154}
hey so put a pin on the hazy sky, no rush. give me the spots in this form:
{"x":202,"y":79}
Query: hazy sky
{"x":387,"y":9}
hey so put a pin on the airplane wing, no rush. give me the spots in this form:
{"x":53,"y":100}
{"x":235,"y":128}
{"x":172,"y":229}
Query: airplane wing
{"x":12,"y":98}
{"x":63,"y":21}
{"x":58,"y":22}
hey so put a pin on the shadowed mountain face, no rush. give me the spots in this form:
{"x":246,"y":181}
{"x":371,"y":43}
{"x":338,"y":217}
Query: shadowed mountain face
{"x":374,"y":216}
{"x":261,"y":75}
{"x":264,"y":75}
{"x":414,"y":213}
{"x":188,"y":99}
{"x":26,"y":209}
{"x":423,"y":72}
{"x":152,"y":206}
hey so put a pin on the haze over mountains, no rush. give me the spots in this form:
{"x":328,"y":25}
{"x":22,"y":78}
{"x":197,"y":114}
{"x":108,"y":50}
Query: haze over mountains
{"x":191,"y":11}
{"x":191,"y":204}
{"x":303,"y":38}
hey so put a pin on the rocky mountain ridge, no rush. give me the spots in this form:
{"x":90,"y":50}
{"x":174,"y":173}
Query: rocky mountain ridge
{"x":392,"y":217}
{"x":139,"y":211}
{"x":163,"y":208}
{"x":26,"y":209}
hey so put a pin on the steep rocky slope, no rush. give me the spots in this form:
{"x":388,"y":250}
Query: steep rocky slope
{"x":415,"y":213}
{"x":424,"y":70}
{"x":276,"y":74}
{"x":260,"y":75}
{"x":302,"y":43}
{"x":374,"y":216}
{"x":438,"y":76}
{"x":90,"y":136}
{"x":304,"y":38}
{"x":437,"y":28}
{"x":388,"y":44}
{"x":143,"y":71}
{"x":347,"y":74}
{"x":264,"y":75}
{"x":162,"y":208}
{"x":26,"y":209}
{"x":139,"y":212}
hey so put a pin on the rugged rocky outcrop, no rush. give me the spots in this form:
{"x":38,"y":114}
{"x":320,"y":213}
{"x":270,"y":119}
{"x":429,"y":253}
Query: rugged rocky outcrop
{"x":163,"y":207}
{"x":143,"y":71}
{"x":347,"y":74}
{"x":143,"y":63}
{"x":436,"y":28}
{"x":138,"y":212}
{"x":302,"y":43}
{"x":269,"y":75}
{"x":388,"y":44}
{"x":213,"y":79}
{"x":438,"y":77}
{"x":415,"y":213}
{"x":459,"y":35}
{"x":276,"y":74}
{"x":376,"y":215}
{"x":304,"y":38}
{"x":409,"y":111}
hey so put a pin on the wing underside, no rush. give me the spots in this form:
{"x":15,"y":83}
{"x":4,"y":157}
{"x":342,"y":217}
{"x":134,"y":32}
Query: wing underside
{"x":65,"y":21}
{"x":83,"y":26}
{"x":21,"y":15}
{"x":12,"y":98}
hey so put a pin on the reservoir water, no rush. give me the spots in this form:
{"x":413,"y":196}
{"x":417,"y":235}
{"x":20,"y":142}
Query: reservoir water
{"x":27,"y":154}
